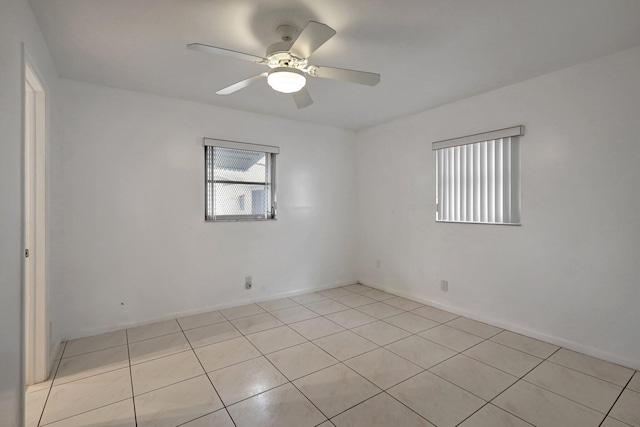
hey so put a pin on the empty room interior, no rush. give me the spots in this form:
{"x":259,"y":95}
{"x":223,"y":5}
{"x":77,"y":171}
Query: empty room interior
{"x":320,"y":213}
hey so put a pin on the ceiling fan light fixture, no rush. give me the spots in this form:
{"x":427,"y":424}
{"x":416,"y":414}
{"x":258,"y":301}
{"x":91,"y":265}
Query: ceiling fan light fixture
{"x":286,"y":79}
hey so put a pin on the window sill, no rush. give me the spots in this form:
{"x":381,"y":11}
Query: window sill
{"x":517,"y":224}
{"x":239,"y":220}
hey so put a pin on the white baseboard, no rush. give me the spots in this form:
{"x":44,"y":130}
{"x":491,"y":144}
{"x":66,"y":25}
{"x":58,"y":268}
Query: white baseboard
{"x":175,"y":315}
{"x":481,"y":317}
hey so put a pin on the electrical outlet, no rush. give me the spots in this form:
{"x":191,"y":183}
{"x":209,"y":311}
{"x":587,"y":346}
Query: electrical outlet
{"x":377,"y":263}
{"x":247,"y":282}
{"x":444,"y":285}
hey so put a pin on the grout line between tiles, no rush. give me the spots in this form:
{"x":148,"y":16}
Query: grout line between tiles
{"x":202,"y":326}
{"x":133,"y":394}
{"x":153,"y":337}
{"x":206,"y":415}
{"x":357,"y":404}
{"x":507,"y":345}
{"x":263,"y":354}
{"x":130,"y":365}
{"x":386,"y":344}
{"x":159,"y":357}
{"x":53,"y":378}
{"x":539,"y":364}
{"x":212,"y":343}
{"x":429,"y":370}
{"x":616,"y":401}
{"x":91,"y":376}
{"x":420,"y":331}
{"x":64,"y":349}
{"x":249,"y":315}
{"x":234,"y":364}
{"x":289,"y":381}
{"x":621,"y":422}
{"x":503,"y":391}
{"x":448,"y":323}
{"x":311,"y":373}
{"x":563,"y":396}
{"x":328,"y":320}
{"x":92,"y":351}
{"x":169,"y":385}
{"x":84,"y":412}
{"x":452,"y":349}
{"x":407,"y":406}
{"x":489,"y":403}
{"x":501,"y":370}
{"x":422,"y":370}
{"x":326,"y":314}
{"x":464,"y":389}
{"x":402,"y":357}
{"x":584,"y":373}
{"x":207,"y":375}
{"x":404,"y":311}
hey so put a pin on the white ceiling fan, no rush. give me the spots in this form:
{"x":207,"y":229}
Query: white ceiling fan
{"x":288,"y":61}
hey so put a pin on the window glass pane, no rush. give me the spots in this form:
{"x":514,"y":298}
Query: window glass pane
{"x":238,"y":184}
{"x":240,"y":199}
{"x":239,"y":165}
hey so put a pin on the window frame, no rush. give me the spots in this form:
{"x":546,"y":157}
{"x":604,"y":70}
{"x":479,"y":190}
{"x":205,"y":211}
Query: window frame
{"x":514,"y":134}
{"x":270,"y":152}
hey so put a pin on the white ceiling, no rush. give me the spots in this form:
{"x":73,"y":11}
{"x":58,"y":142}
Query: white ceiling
{"x":429,"y":52}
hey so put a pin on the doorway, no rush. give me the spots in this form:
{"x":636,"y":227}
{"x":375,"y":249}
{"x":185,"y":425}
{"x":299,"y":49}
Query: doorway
{"x":35,"y":292}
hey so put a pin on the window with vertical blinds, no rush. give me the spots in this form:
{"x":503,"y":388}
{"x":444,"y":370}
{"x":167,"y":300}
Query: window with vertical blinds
{"x":478,"y":178}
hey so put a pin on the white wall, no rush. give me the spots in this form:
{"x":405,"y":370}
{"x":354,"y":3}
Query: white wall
{"x":130,"y":207}
{"x":571,"y":272}
{"x":17,"y":25}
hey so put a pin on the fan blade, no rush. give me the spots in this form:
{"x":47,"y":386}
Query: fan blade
{"x":240,"y":85}
{"x":310,"y":39}
{"x":353,"y":76}
{"x":302,"y":98}
{"x":224,"y":52}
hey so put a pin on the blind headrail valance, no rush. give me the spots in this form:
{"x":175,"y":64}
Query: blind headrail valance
{"x":211,"y":142}
{"x":479,"y":137}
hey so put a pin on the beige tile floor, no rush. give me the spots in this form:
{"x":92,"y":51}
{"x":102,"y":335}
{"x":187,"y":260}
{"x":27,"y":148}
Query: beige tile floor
{"x":350,"y":356}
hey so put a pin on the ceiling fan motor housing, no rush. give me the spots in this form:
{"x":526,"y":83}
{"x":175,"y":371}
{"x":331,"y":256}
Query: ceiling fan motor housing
{"x":278,"y":55}
{"x":279,"y":48}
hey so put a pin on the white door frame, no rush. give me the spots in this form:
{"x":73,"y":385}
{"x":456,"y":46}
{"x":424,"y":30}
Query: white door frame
{"x":36,"y":337}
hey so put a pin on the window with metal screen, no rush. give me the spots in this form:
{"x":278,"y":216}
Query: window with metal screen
{"x":478,"y":178}
{"x":239,"y":181}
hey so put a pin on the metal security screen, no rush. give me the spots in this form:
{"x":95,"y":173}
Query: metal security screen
{"x":239,"y":184}
{"x":478,"y":182}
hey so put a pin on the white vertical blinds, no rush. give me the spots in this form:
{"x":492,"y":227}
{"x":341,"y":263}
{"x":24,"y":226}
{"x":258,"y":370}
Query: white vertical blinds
{"x":479,"y":182}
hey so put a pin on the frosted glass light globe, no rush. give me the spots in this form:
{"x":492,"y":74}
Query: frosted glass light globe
{"x":286,"y":80}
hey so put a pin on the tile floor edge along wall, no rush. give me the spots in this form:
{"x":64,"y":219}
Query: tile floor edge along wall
{"x":206,"y":309}
{"x":352,"y":355}
{"x":514,"y":327}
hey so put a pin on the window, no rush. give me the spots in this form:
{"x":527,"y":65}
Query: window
{"x":478,"y":178}
{"x":239,"y":181}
